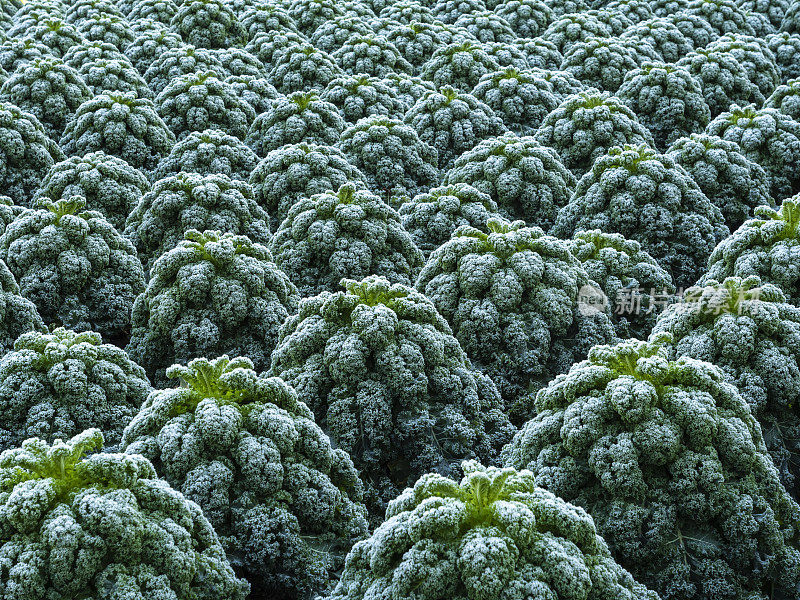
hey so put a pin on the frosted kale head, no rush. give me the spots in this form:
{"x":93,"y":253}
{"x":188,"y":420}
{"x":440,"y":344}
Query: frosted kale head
{"x":663,"y":8}
{"x":238,"y":62}
{"x":723,"y":79}
{"x":768,"y":138}
{"x":460,"y":65}
{"x":448,"y":11}
{"x":635,"y":11}
{"x":86,"y":52}
{"x":55,"y":385}
{"x":602,"y":63}
{"x":299,"y":117}
{"x":371,"y":55}
{"x":408,"y":88}
{"x":696,"y":28}
{"x":26,"y":153}
{"x":511,"y":296}
{"x":270,"y":46}
{"x":121,"y":125}
{"x":107,"y":76}
{"x":407,"y":12}
{"x":160,"y":11}
{"x":586,"y":125}
{"x":562,"y":7}
{"x":258,"y":92}
{"x":363,"y":9}
{"x":209,"y":152}
{"x":615,"y":20}
{"x":667,"y":99}
{"x":774,"y":10}
{"x":749,"y":330}
{"x":310,"y":14}
{"x":81,"y":10}
{"x":390,"y":154}
{"x":58,"y":35}
{"x":74,"y":266}
{"x":202,"y":101}
{"x":786,"y":99}
{"x":493,"y":535}
{"x":759,"y":22}
{"x":48,"y":89}
{"x":141,"y":26}
{"x":791,"y":20}
{"x":755,"y":56}
{"x":417,"y":42}
{"x":647,"y":197}
{"x":507,"y":55}
{"x":18,"y":315}
{"x":208,"y":24}
{"x":522,"y":98}
{"x":349,"y":233}
{"x":110,"y":29}
{"x":58,"y":499}
{"x":540,"y":53}
{"x":564,"y":84}
{"x":785,"y":47}
{"x":453,"y":122}
{"x":259,"y":17}
{"x":768,"y":246}
{"x":389,"y":383}
{"x":107,"y":183}
{"x":527,"y":18}
{"x":634,"y":285}
{"x":212,"y":294}
{"x":297,"y":171}
{"x":182,"y":60}
{"x":193,"y":201}
{"x":16,"y":52}
{"x":725,"y":16}
{"x":149,"y":46}
{"x":486,"y":26}
{"x":432,"y":217}
{"x":332,"y":35}
{"x":668,"y":447}
{"x":525,"y":179}
{"x":33,"y":13}
{"x":664,"y":37}
{"x":286,"y":505}
{"x":732,"y":181}
{"x":8,"y":212}
{"x":304,"y":68}
{"x":570,"y":28}
{"x":359,"y":96}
